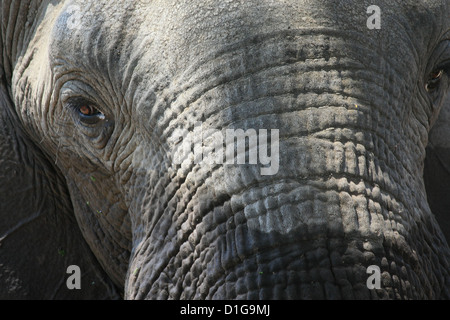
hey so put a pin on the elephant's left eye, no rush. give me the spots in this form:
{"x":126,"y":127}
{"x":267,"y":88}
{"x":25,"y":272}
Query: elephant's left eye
{"x":434,"y":79}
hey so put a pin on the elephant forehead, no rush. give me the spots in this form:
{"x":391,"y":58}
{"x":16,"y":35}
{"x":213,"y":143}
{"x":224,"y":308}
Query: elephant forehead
{"x":172,"y":32}
{"x":181,"y":22}
{"x":84,"y":24}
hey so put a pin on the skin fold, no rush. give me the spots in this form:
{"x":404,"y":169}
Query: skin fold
{"x":94,"y":94}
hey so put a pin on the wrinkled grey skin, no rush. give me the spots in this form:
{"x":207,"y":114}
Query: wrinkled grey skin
{"x":353,"y":114}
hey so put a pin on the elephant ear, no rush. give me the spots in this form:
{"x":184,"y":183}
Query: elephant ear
{"x":437,"y":169}
{"x":39,"y":236}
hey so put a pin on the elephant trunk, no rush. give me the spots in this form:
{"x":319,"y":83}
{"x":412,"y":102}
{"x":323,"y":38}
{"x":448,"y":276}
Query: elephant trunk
{"x":347,"y":193}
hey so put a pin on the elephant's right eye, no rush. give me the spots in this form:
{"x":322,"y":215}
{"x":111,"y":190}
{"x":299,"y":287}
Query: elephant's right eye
{"x":89,"y":115}
{"x":86,"y":112}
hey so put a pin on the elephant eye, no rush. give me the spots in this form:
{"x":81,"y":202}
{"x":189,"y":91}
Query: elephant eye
{"x":86,"y":112}
{"x":89,"y":114}
{"x":434,"y":79}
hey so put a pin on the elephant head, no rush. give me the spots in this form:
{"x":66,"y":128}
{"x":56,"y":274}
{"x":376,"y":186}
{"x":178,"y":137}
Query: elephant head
{"x":240,"y":149}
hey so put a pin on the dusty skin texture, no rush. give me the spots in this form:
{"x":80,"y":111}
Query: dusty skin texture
{"x":92,"y":94}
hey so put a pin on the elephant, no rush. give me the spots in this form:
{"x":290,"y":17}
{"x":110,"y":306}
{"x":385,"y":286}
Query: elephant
{"x":239,"y":149}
